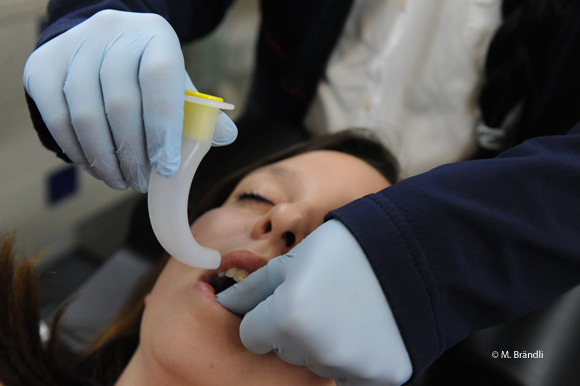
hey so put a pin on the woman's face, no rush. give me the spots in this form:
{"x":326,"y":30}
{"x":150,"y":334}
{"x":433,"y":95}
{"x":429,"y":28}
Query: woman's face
{"x":187,"y":337}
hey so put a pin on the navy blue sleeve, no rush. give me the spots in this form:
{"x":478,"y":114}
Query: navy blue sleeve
{"x":191,"y":19}
{"x":474,"y":244}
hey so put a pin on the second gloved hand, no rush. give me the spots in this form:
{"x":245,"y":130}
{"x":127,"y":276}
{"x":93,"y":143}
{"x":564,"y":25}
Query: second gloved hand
{"x":322,"y":307}
{"x":111,"y":92}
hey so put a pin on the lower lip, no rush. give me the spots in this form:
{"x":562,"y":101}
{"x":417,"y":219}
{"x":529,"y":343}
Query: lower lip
{"x":205,"y":290}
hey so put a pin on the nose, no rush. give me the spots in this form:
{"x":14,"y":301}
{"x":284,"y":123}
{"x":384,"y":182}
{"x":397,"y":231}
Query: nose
{"x":284,"y":226}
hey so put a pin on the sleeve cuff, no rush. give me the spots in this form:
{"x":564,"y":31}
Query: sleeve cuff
{"x":403,"y":272}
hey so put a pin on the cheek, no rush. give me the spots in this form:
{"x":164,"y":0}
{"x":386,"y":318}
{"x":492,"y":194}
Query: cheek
{"x":185,"y":341}
{"x":180,"y":332}
{"x":223,"y":229}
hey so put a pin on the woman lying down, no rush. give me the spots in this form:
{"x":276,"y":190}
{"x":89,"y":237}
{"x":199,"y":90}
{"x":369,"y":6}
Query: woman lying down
{"x":173,"y":331}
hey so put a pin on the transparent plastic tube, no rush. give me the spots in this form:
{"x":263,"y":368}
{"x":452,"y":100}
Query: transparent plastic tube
{"x":168,"y":198}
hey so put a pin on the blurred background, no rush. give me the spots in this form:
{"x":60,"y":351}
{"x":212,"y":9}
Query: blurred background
{"x":56,"y":207}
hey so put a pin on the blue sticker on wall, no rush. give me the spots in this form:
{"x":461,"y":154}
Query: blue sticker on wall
{"x":62,"y":183}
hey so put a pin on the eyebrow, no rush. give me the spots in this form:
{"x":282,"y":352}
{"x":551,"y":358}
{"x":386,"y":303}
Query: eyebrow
{"x":280,"y":171}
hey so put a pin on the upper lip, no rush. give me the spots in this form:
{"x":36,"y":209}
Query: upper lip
{"x":244,"y":259}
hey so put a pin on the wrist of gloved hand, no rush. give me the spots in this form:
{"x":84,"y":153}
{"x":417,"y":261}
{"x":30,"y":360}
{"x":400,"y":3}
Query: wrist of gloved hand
{"x":321,"y":306}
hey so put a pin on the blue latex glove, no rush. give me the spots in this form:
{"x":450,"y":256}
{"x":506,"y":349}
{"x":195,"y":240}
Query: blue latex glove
{"x":111,"y":92}
{"x":321,"y":306}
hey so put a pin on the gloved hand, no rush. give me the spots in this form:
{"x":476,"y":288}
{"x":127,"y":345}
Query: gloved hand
{"x":321,"y":306}
{"x":111,"y":92}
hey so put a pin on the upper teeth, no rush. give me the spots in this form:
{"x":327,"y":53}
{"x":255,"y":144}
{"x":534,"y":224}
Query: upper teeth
{"x":238,"y":274}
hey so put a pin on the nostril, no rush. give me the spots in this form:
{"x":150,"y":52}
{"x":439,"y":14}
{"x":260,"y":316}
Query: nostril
{"x":290,"y":239}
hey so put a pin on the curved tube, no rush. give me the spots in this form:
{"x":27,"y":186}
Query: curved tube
{"x":168,"y":198}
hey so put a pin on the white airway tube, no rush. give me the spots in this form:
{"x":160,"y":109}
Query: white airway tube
{"x":168,"y":198}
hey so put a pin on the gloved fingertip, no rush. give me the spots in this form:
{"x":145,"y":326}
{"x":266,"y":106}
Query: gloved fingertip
{"x":247,"y":294}
{"x":140,"y":183}
{"x":165,"y":163}
{"x":90,"y":171}
{"x":120,"y":185}
{"x":230,"y":300}
{"x":225,"y":300}
{"x":117,"y":184}
{"x":165,"y":169}
{"x":226,"y":131}
{"x":137,"y":188}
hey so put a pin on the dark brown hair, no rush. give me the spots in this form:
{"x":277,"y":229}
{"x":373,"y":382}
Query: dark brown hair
{"x":26,"y":360}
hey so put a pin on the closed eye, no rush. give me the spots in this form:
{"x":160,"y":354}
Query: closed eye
{"x":254,"y":197}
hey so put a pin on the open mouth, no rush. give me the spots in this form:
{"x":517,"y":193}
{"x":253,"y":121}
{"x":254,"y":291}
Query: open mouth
{"x":225,"y":279}
{"x":235,"y":267}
